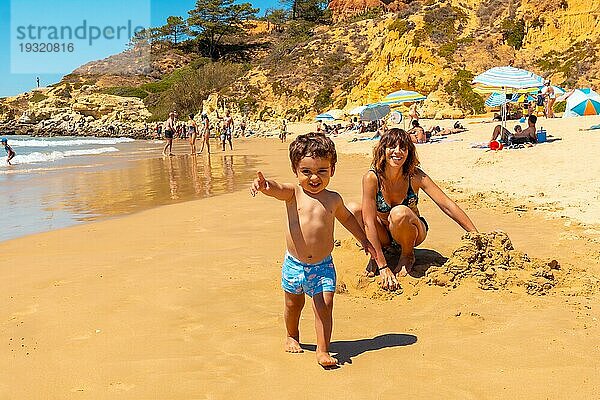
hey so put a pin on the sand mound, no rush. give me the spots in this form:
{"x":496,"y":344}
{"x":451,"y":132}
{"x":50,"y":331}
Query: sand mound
{"x":488,"y":259}
{"x":491,"y":260}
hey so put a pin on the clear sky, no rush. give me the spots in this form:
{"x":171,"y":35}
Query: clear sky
{"x":25,"y":22}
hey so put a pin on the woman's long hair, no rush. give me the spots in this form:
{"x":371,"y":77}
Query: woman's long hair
{"x":390,"y":139}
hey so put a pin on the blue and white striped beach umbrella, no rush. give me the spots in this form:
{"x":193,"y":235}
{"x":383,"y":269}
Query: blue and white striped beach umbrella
{"x":402,"y":96}
{"x":324,"y":117}
{"x":507,"y":80}
{"x":497,"y":99}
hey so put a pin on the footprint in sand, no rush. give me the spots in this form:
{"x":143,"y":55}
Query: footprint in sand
{"x":120,"y":386}
{"x":31,"y":309}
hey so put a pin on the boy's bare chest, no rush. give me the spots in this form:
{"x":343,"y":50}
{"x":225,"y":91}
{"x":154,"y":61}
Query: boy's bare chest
{"x":309,"y":208}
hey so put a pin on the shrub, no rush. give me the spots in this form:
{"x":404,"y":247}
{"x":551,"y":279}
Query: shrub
{"x":447,"y":49}
{"x":369,"y":13}
{"x":247,"y":104}
{"x":37,"y":97}
{"x":440,"y":23}
{"x":513,"y":32}
{"x":188,"y":87}
{"x":402,"y":26}
{"x":323,"y":99}
{"x":459,"y":88}
{"x":126,"y":91}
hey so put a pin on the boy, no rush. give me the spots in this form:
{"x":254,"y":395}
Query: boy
{"x":311,"y":210}
{"x":11,"y":153}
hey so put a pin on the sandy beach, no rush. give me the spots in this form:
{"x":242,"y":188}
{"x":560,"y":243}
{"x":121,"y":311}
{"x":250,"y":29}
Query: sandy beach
{"x":183,"y":301}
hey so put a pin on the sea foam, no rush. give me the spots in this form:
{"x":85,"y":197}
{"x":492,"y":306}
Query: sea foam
{"x":36,"y":157}
{"x":38,"y":142}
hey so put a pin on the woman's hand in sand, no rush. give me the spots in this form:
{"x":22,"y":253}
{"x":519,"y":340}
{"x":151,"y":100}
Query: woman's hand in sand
{"x":388,"y":279}
{"x":260,"y":184}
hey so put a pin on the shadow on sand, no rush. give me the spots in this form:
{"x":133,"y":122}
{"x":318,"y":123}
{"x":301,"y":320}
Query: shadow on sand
{"x":344,"y":350}
{"x":424,"y":259}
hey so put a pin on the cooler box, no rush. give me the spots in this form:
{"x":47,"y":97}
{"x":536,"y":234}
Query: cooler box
{"x":541,"y":136}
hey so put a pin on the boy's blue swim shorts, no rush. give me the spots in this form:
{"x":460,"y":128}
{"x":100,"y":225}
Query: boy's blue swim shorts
{"x":298,"y":277}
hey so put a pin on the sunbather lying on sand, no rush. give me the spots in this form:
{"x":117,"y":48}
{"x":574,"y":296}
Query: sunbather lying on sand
{"x":591,"y":128}
{"x":437,"y":131}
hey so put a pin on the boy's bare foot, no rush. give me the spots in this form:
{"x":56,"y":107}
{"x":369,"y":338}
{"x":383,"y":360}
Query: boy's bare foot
{"x":405,"y":264}
{"x":325,"y":360}
{"x":292,"y":345}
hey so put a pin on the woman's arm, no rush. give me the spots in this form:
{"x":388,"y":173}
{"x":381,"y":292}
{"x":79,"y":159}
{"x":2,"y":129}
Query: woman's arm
{"x":445,"y":203}
{"x":369,"y":214}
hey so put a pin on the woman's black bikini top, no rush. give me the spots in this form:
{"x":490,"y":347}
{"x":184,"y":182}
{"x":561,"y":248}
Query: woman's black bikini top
{"x":411,"y":200}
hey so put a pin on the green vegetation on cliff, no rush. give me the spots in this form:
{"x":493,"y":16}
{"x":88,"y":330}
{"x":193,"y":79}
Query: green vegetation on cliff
{"x":462,"y":94}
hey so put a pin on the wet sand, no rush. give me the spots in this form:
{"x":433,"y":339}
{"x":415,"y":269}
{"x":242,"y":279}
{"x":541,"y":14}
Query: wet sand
{"x":183,"y":301}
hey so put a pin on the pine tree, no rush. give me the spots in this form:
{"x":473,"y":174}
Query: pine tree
{"x":211,"y":20}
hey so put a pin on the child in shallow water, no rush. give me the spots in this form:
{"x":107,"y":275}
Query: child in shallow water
{"x":11,"y":153}
{"x":311,"y":211}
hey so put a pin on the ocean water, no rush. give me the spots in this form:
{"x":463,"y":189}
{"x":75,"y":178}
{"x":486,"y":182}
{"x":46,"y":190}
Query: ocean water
{"x":62,"y":181}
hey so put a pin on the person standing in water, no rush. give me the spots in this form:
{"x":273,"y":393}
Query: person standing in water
{"x":205,"y":133}
{"x":169,"y":132}
{"x":11,"y":153}
{"x":227,"y":132}
{"x":192,"y":129}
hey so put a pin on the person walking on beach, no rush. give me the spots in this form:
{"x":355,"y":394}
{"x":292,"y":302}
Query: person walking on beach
{"x":227,"y":130}
{"x":169,"y":133}
{"x":312,"y":210}
{"x":243,"y":127}
{"x":9,"y":151}
{"x":550,"y":96}
{"x":283,"y":132}
{"x":192,"y":129}
{"x":389,"y":209}
{"x":205,"y":133}
{"x":413,"y":113}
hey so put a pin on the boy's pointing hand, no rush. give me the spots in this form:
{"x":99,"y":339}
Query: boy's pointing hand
{"x":260,"y":184}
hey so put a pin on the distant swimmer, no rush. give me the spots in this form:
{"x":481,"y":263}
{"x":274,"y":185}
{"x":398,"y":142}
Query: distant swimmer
{"x":11,"y":153}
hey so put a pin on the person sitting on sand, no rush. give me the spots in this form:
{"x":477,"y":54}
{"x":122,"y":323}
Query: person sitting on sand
{"x":417,"y":133}
{"x":9,"y":151}
{"x":389,"y":213}
{"x":520,"y":136}
{"x":312,"y":211}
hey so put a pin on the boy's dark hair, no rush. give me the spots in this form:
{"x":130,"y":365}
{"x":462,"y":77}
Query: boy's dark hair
{"x":314,"y":145}
{"x":532,"y":119}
